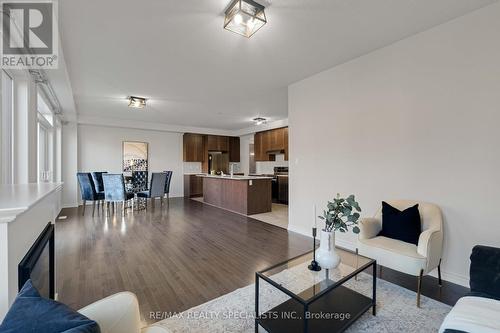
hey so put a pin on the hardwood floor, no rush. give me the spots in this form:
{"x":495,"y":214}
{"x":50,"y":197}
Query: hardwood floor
{"x":178,"y":256}
{"x":172,"y":258}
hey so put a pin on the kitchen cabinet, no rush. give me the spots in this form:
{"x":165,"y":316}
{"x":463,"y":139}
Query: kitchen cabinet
{"x":193,"y":147}
{"x":223,"y":143}
{"x":260,"y":147}
{"x":234,"y":149}
{"x":193,"y":186}
{"x":217,"y":143}
{"x":212,"y":142}
{"x":277,"y":139}
{"x":271,"y":141}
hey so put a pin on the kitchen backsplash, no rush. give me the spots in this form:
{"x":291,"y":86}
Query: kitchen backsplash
{"x":268,"y":167}
{"x":236,"y":167}
{"x":192,"y":167}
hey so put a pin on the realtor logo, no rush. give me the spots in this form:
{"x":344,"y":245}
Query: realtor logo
{"x":30,"y":34}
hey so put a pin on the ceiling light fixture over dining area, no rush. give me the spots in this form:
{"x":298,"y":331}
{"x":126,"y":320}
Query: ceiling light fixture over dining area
{"x":244,"y":17}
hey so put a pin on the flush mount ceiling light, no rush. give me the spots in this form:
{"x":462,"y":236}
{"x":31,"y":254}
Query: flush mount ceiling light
{"x":259,"y":120}
{"x":244,"y":17}
{"x":136,"y":102}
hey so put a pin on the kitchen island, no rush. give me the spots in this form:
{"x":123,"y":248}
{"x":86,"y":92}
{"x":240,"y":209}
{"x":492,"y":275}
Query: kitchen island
{"x":246,"y":195}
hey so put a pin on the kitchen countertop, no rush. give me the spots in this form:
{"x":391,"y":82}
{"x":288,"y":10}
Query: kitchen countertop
{"x":235,"y":177}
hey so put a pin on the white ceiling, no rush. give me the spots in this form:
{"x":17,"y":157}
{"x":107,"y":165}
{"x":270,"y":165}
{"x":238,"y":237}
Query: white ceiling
{"x":196,"y":74}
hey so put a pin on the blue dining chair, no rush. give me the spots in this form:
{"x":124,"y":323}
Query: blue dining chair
{"x":156,"y":189}
{"x":97,"y":178}
{"x":114,"y":191}
{"x":167,"y":184}
{"x":87,"y":189}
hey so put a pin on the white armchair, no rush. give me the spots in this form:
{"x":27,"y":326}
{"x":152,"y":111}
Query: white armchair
{"x":118,"y":313}
{"x":401,"y":256}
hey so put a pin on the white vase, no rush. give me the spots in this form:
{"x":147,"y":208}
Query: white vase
{"x":326,"y":256}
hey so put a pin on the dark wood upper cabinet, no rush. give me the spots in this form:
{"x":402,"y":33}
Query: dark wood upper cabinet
{"x":222,"y":143}
{"x":193,"y":147}
{"x":270,"y":141}
{"x":234,"y":149}
{"x":257,"y":146}
{"x":277,"y":139}
{"x":212,"y":142}
{"x":217,"y":143}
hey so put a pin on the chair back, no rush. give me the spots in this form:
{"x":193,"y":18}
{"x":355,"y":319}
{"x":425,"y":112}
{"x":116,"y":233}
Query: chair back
{"x":430,"y":214}
{"x":114,"y":187}
{"x":167,"y":181}
{"x":140,"y":180}
{"x":97,"y":178}
{"x":87,"y":187}
{"x":157,"y":188}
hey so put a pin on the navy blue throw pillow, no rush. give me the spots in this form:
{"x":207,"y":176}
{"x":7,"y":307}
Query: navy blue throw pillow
{"x":32,"y":313}
{"x":401,"y":225}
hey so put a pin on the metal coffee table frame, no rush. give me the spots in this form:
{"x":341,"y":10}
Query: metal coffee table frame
{"x":283,"y":324}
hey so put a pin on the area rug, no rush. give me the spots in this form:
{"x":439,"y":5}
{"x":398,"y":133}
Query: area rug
{"x":233,"y":312}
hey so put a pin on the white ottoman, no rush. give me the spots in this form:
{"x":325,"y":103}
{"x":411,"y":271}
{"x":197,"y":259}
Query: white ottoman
{"x":475,"y":315}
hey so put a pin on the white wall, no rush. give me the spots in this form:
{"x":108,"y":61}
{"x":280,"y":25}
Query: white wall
{"x":100,"y":148}
{"x":419,"y":120}
{"x":69,"y":156}
{"x":245,"y":141}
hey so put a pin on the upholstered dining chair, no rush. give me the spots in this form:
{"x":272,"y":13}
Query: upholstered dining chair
{"x":87,"y":189}
{"x":156,"y":189}
{"x":114,"y":191}
{"x":416,"y":260}
{"x":140,"y":180}
{"x":167,"y":184}
{"x":97,"y":178}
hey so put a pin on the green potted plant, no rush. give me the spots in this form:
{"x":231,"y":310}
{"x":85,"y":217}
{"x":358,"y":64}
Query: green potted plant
{"x":339,"y":215}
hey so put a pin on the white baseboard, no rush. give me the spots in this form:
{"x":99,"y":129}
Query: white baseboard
{"x":69,"y":205}
{"x":445,"y":275}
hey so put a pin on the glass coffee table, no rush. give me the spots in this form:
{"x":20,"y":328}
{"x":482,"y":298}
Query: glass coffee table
{"x":315,"y":301}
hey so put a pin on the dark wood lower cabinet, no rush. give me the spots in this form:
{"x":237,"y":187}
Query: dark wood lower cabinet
{"x":243,"y":196}
{"x":193,"y":186}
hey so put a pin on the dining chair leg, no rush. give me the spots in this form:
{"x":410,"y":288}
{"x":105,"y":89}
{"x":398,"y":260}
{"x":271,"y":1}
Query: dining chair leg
{"x":93,"y":208}
{"x":419,"y":287}
{"x":84,"y":203}
{"x":123,"y":208}
{"x":107,"y":208}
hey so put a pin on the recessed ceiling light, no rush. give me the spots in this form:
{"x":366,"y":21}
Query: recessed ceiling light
{"x":244,"y":17}
{"x":259,"y":120}
{"x":136,"y":102}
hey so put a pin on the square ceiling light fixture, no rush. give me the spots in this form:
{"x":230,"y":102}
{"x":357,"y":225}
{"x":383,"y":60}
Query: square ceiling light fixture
{"x":244,"y":17}
{"x":136,"y":102}
{"x":259,"y":121}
